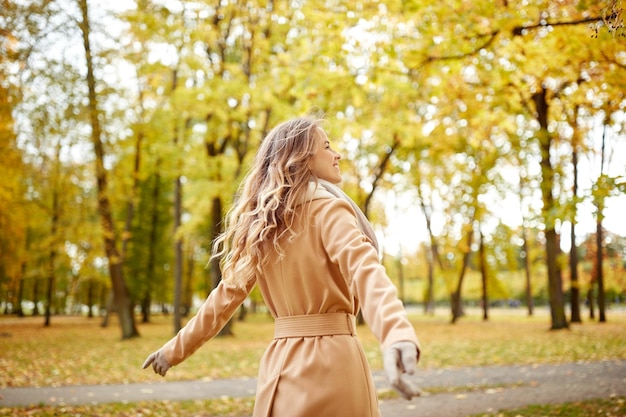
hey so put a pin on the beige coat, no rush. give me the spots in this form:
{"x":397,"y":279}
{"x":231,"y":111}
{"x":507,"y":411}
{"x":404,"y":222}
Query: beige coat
{"x":315,"y":366}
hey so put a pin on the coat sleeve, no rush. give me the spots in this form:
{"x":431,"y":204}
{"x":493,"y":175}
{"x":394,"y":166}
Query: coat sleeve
{"x":358,"y":262}
{"x":212,"y":316}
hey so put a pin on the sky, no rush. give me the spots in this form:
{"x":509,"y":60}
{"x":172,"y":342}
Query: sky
{"x":407,"y":227}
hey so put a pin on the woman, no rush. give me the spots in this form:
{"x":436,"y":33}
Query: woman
{"x":314,"y":257}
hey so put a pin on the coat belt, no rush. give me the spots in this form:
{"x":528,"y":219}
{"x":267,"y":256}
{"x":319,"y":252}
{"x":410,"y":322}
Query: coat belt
{"x":313,"y":325}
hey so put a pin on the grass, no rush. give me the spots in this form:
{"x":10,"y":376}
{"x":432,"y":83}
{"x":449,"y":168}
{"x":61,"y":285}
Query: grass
{"x":231,"y":407}
{"x":238,"y":407}
{"x":76,"y":350}
{"x":609,"y":407}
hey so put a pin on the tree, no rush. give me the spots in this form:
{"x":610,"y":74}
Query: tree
{"x":432,"y":252}
{"x":573,"y":257}
{"x":12,"y":189}
{"x":600,"y":190}
{"x":120,"y":290}
{"x":456,"y":296}
{"x":526,"y":252}
{"x":485,"y":276}
{"x":428,"y":98}
{"x":13,"y":239}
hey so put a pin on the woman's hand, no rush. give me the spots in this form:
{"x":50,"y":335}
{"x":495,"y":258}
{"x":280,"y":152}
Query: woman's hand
{"x":401,"y":358}
{"x":159,"y":363}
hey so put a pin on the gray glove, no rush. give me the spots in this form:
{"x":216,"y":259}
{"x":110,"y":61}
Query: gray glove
{"x":159,"y":363}
{"x":398,"y":359}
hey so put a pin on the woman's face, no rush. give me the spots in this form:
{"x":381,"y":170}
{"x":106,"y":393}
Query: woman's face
{"x":325,"y":161}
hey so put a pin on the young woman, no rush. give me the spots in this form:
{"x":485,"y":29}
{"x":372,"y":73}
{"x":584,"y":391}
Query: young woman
{"x":314,"y":257}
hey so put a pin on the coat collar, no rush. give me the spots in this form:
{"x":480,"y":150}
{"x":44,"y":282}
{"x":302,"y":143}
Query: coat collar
{"x":317,"y":191}
{"x":324,"y":189}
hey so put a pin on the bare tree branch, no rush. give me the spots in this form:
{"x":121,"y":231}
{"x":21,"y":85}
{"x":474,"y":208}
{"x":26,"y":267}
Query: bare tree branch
{"x":519,"y":30}
{"x":491,"y":37}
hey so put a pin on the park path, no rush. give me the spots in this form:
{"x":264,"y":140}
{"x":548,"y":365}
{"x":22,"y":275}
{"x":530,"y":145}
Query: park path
{"x":466,"y":391}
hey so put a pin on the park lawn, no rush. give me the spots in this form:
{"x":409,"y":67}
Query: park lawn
{"x":77,"y":350}
{"x":605,"y":407}
{"x":241,"y":407}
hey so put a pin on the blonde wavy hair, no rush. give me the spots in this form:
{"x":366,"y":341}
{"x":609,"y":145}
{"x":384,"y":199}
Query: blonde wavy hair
{"x":263,"y":212}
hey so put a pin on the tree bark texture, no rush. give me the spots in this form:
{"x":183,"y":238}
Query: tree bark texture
{"x":555,"y":286}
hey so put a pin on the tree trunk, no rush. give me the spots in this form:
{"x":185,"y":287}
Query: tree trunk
{"x":53,"y":250}
{"x":120,"y":291}
{"x":243,"y":312}
{"x":90,"y":297}
{"x":109,"y":307}
{"x":188,"y":287}
{"x":130,"y":204}
{"x":599,"y":272}
{"x":456,"y":299}
{"x":178,"y":255}
{"x":526,"y":259}
{"x":484,"y":275}
{"x":429,"y":302}
{"x":152,"y":243}
{"x":20,"y":293}
{"x":216,"y":229}
{"x":50,"y":289}
{"x":36,"y":296}
{"x":573,"y":254}
{"x":380,"y":170}
{"x":555,"y":286}
{"x":529,"y":285}
{"x":216,"y":272}
{"x":600,"y":240}
{"x":591,"y":301}
{"x":432,"y":255}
